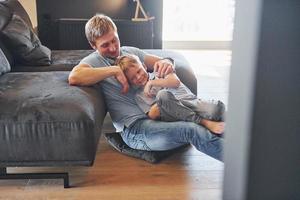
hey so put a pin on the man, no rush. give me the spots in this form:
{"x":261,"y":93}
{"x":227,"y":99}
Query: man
{"x":138,"y":131}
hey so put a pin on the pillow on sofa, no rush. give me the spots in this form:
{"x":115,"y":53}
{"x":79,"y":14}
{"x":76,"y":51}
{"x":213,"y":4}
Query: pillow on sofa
{"x":5,"y":15}
{"x":24,"y":44}
{"x":4,"y":64}
{"x":116,"y":141}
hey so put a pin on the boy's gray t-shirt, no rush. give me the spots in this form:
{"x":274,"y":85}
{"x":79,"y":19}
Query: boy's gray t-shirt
{"x":122,"y":108}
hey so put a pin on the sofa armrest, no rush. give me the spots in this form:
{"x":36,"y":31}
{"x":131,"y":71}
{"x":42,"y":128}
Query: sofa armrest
{"x":46,"y":122}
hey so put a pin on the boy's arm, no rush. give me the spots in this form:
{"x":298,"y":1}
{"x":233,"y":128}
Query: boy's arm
{"x":170,"y":81}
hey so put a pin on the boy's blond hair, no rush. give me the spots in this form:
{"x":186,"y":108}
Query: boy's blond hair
{"x":98,"y":26}
{"x":127,"y":62}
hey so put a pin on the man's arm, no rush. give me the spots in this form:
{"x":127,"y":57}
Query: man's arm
{"x":157,"y":64}
{"x":85,"y":75}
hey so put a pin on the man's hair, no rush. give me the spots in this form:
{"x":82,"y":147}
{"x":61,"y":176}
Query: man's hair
{"x":128,"y":61}
{"x":98,"y":26}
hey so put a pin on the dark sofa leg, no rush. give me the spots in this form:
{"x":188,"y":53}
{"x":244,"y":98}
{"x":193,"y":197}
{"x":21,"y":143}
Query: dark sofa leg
{"x":64,"y":176}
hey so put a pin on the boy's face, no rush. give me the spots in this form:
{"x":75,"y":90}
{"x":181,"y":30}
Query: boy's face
{"x":137,"y":75}
{"x":108,"y":45}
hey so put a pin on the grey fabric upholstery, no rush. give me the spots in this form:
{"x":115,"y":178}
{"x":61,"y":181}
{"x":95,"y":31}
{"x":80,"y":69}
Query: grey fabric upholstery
{"x":15,"y":7}
{"x":7,"y":54}
{"x":4,"y":64}
{"x":62,"y":60}
{"x":44,"y":121}
{"x":24,"y":44}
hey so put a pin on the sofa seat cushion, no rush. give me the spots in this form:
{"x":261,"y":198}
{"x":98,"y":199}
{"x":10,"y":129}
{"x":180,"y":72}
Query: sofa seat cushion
{"x":61,"y":60}
{"x":5,"y":15}
{"x":44,"y":121}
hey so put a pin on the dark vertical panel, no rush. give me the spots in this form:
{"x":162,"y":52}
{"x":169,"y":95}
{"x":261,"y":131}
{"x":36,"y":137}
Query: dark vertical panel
{"x":274,"y":171}
{"x":241,"y":94}
{"x":262,"y":154}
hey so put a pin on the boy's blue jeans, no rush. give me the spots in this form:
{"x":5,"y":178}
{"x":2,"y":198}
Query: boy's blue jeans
{"x":153,"y":135}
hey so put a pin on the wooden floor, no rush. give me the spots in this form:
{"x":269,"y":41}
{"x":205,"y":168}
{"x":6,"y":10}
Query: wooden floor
{"x":187,"y":175}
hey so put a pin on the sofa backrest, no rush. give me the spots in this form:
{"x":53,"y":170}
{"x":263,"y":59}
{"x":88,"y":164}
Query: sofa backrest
{"x":18,"y":41}
{"x":4,"y":64}
{"x":5,"y":17}
{"x":15,"y":7}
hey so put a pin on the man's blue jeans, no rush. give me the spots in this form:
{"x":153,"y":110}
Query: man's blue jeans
{"x":153,"y":135}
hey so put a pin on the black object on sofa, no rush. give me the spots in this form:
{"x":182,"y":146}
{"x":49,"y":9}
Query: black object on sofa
{"x":43,"y":120}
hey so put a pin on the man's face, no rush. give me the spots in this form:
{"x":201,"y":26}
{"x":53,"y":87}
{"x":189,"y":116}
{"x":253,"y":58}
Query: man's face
{"x":137,"y":75}
{"x":108,"y":45}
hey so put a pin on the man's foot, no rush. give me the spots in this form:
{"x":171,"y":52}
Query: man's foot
{"x":215,"y":127}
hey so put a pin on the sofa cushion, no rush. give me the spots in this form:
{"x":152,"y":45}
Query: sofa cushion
{"x":4,"y":64}
{"x":5,"y":16}
{"x":116,"y":141}
{"x":6,"y":52}
{"x":45,"y":121}
{"x":24,"y":44}
{"x":15,"y":7}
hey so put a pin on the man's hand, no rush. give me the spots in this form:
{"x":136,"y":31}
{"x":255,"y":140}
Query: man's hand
{"x":120,"y":76}
{"x":163,"y":67}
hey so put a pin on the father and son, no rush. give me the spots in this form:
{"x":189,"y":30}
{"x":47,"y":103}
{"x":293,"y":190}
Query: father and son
{"x":152,"y":111}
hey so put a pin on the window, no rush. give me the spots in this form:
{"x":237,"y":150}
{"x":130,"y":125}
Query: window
{"x":198,"y":20}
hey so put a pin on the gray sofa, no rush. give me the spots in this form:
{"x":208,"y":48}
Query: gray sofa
{"x":43,"y":120}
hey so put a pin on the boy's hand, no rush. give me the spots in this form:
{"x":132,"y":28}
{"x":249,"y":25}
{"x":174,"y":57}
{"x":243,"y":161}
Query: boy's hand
{"x":147,"y":89}
{"x":163,"y":67}
{"x":120,"y":76}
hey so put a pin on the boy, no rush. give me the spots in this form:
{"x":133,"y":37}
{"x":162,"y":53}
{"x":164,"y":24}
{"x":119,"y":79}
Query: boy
{"x":168,"y":99}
